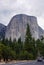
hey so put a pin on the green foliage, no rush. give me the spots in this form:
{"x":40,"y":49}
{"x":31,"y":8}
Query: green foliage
{"x":25,"y":55}
{"x":1,"y":46}
{"x":42,"y":50}
{"x":12,"y":55}
{"x":6,"y":52}
{"x":40,"y":47}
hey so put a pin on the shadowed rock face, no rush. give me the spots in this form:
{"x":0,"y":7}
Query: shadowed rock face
{"x":17,"y":27}
{"x":2,"y":31}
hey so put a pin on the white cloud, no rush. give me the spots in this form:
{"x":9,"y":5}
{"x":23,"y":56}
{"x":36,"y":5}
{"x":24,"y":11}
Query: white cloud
{"x":9,"y":8}
{"x":41,"y":21}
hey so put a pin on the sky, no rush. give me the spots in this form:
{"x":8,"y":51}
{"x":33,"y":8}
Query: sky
{"x":9,"y":8}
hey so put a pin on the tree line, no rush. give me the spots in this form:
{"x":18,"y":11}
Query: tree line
{"x":19,"y":50}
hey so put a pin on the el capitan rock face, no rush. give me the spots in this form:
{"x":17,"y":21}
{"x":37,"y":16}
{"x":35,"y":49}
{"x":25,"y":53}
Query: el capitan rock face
{"x":17,"y":27}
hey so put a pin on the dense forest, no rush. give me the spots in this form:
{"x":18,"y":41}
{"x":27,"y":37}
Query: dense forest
{"x":18,"y":50}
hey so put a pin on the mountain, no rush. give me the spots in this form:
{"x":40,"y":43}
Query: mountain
{"x":17,"y":27}
{"x":2,"y":31}
{"x":41,"y":32}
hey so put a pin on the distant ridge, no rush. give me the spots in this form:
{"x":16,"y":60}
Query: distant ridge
{"x":2,"y":31}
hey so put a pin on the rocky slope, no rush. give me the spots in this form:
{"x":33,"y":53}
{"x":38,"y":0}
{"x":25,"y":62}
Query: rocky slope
{"x":2,"y":31}
{"x":17,"y":27}
{"x":41,"y":32}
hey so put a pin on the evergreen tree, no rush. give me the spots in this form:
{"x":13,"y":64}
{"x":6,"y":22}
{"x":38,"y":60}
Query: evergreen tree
{"x":6,"y":42}
{"x":20,"y":43}
{"x":28,"y":33}
{"x":28,"y":39}
{"x":10,"y":42}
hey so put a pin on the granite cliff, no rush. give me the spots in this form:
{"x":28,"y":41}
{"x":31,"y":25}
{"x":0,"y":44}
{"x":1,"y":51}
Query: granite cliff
{"x":17,"y":27}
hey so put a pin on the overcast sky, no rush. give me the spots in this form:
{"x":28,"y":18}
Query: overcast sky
{"x":9,"y":8}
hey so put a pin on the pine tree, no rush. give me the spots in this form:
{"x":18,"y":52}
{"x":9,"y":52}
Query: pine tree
{"x":28,"y":38}
{"x":28,"y":33}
